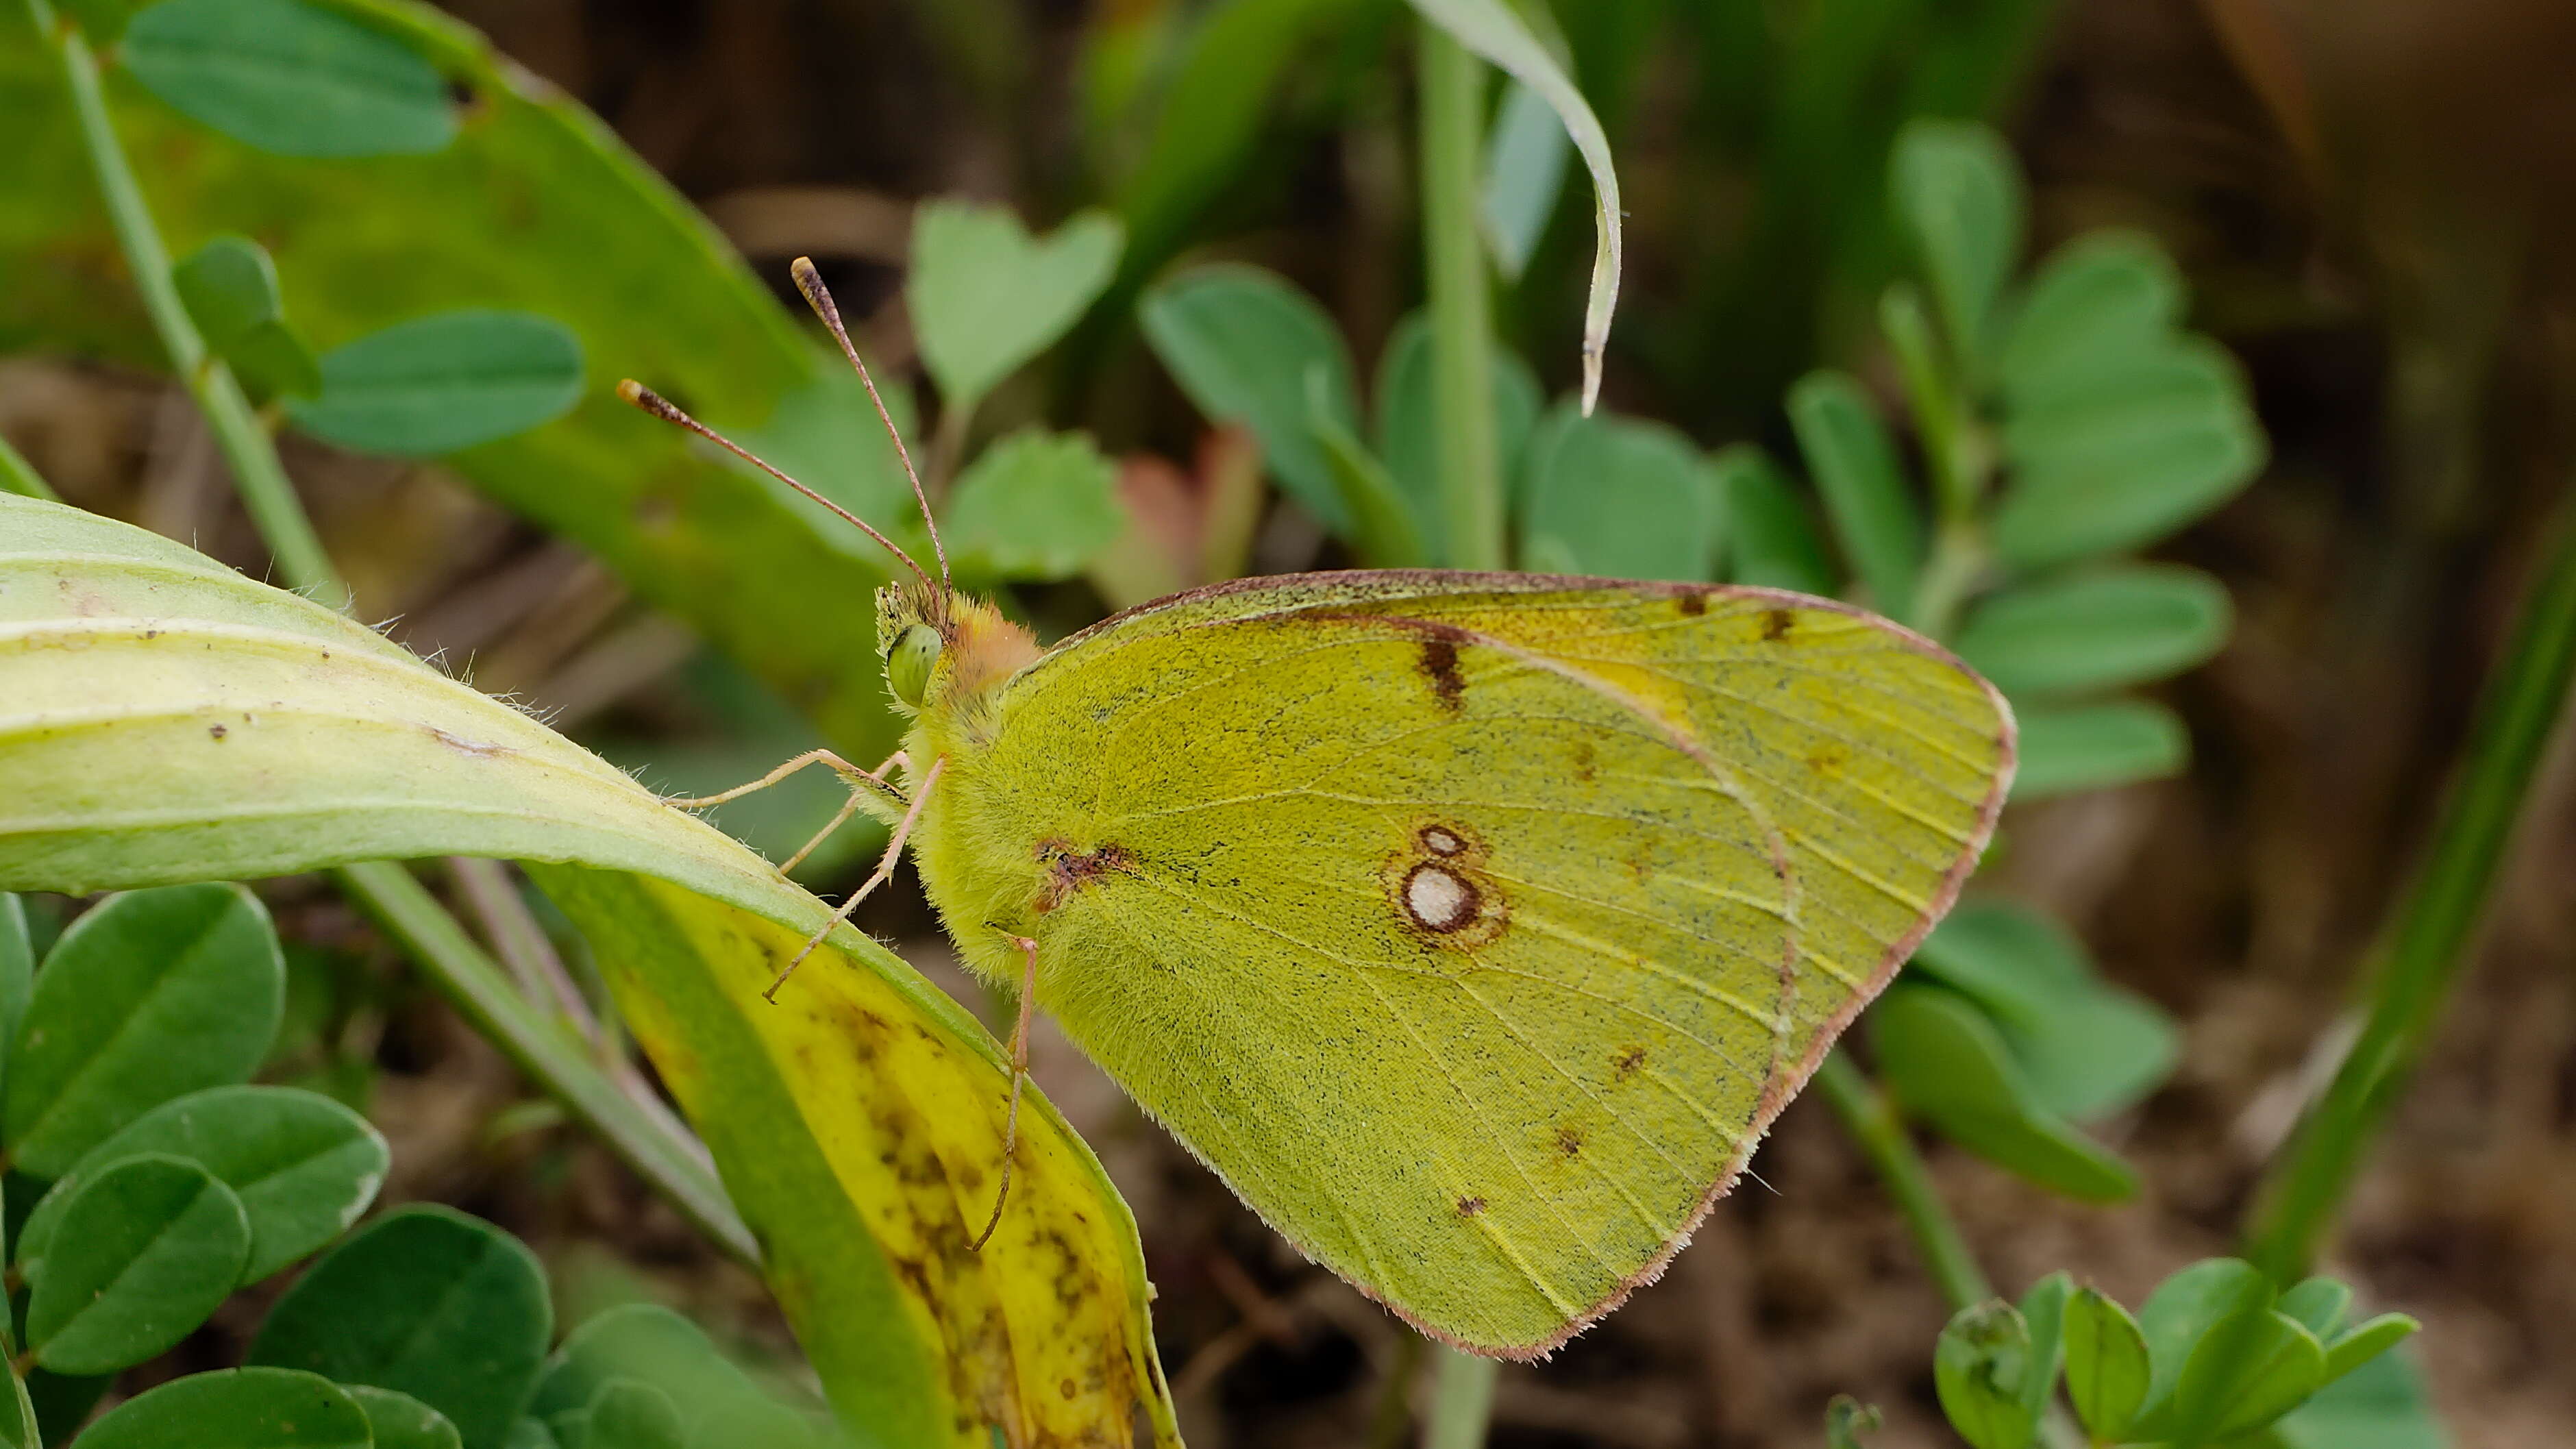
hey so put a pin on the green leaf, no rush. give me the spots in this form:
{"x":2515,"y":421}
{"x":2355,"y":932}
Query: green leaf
{"x":229,"y":286}
{"x":303,"y":1166}
{"x":1383,"y":529}
{"x":1621,"y":498}
{"x":630,"y":1414}
{"x":1524,"y":171}
{"x":2382,"y":1405}
{"x":1982,"y":1367}
{"x":2129,"y":624}
{"x":2246,"y":1371}
{"x":2185,"y":1307}
{"x":720,"y":1407}
{"x":2065,"y":749}
{"x":2367,"y":1340}
{"x":1944,"y":1060}
{"x":864,"y":1118}
{"x":985,"y":297}
{"x":1493,"y":30}
{"x":18,"y":1426}
{"x":530,"y":1434}
{"x":444,"y":383}
{"x":2043,"y":1309}
{"x":1769,"y":537}
{"x":1408,"y":423}
{"x":290,"y":78}
{"x":2086,"y":1049}
{"x":2096,"y":304}
{"x":150,"y":1247}
{"x":17,"y":976}
{"x":2115,"y":459}
{"x":1242,"y":342}
{"x":399,"y":1421}
{"x":1846,"y":1419}
{"x":252,"y":1408}
{"x":149,"y":996}
{"x":2319,"y":1304}
{"x":1957,"y":192}
{"x":640,"y":1341}
{"x":1865,"y":491}
{"x":424,"y":1301}
{"x":2107,"y":1372}
{"x":1036,"y":505}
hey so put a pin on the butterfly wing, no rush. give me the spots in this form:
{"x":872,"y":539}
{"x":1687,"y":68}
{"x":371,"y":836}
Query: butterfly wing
{"x":1473,"y":927}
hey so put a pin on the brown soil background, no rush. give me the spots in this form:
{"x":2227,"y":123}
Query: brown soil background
{"x":2367,"y":197}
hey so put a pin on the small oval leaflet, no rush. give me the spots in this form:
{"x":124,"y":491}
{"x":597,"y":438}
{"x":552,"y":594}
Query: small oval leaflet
{"x":290,"y":78}
{"x":441,"y":383}
{"x":154,"y":1245}
{"x":252,"y":1408}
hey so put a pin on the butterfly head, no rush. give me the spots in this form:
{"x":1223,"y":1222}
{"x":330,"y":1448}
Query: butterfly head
{"x":945,"y":650}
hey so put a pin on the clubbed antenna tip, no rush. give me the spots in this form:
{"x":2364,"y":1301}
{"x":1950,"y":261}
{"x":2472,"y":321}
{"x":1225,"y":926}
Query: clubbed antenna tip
{"x":819,"y":297}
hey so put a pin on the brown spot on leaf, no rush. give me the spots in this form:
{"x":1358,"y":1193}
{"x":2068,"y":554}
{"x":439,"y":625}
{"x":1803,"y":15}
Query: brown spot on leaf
{"x":1440,"y":666}
{"x":1468,"y":1207}
{"x":1628,"y":1063}
{"x":218,"y":731}
{"x":1776,"y":624}
{"x":1068,"y":1388}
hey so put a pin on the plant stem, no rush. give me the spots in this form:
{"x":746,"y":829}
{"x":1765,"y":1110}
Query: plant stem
{"x":2425,"y":941}
{"x":1872,"y":1121}
{"x":245,"y":444}
{"x":483,"y":992}
{"x":1462,"y":1400}
{"x":672,"y":1163}
{"x":19,"y":476}
{"x":1452,"y":102}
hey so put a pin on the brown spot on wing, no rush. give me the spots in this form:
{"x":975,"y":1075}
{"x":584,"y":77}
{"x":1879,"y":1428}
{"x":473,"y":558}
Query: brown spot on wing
{"x":1628,"y":1063}
{"x":1468,"y":1207}
{"x":1440,"y":666}
{"x":1692,"y":604}
{"x":1776,"y":624}
{"x":1069,"y":869}
{"x":1569,"y":1141}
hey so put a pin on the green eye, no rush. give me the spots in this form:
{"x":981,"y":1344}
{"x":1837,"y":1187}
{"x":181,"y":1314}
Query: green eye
{"x":908,"y":663}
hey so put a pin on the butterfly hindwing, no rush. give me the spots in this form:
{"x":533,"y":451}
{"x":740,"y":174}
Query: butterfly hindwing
{"x":1472,"y":927}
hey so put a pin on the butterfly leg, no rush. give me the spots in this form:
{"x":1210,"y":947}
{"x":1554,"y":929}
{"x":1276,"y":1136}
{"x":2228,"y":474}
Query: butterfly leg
{"x":867,"y":787}
{"x":884,"y":872}
{"x":1019,"y":1075}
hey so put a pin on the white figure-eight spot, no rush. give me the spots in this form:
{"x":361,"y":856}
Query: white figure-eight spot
{"x":1438,"y":898}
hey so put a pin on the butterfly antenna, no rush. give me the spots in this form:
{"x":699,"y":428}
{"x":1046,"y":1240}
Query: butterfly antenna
{"x":661,"y":407}
{"x":819,"y":297}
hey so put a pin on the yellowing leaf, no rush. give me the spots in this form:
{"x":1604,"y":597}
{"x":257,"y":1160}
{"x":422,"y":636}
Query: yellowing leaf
{"x":164,"y":719}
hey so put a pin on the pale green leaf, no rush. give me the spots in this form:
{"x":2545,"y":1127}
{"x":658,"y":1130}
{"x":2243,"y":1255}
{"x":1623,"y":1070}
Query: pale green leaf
{"x":853,"y":1125}
{"x":986,"y":297}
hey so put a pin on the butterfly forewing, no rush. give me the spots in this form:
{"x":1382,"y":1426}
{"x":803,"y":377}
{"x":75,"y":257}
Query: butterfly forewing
{"x":1473,"y":927}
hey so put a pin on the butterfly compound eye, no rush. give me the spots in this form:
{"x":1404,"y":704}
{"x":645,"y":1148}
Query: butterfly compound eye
{"x":908,"y":663}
